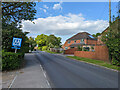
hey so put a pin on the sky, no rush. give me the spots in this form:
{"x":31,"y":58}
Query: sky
{"x":65,"y":19}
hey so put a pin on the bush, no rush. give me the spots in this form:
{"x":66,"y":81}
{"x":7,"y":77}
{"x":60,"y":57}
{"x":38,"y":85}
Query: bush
{"x":40,"y":48}
{"x":11,"y":61}
{"x":79,"y":48}
{"x":44,"y":48}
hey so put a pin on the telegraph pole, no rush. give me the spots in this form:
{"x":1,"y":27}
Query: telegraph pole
{"x":109,"y":12}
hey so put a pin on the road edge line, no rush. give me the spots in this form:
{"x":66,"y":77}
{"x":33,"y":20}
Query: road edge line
{"x":95,"y":65}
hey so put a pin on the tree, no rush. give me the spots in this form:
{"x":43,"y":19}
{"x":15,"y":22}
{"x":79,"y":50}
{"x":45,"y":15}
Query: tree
{"x":7,"y":36}
{"x":96,"y":35}
{"x":32,"y":43}
{"x":14,"y":12}
{"x":41,"y":40}
{"x":53,"y":41}
{"x":112,"y":39}
{"x":12,"y":15}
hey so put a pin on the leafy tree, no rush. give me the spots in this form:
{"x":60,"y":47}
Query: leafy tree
{"x":12,"y":15}
{"x":112,"y":39}
{"x":50,"y":41}
{"x":41,"y":40}
{"x":53,"y":41}
{"x":14,"y":12}
{"x":97,"y":34}
{"x":32,"y":42}
{"x":7,"y":36}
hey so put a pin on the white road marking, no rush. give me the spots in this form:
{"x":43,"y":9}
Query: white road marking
{"x":12,"y":82}
{"x":48,"y":83}
{"x":45,"y":76}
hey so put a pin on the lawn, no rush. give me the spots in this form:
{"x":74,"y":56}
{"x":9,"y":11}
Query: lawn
{"x":97,"y":62}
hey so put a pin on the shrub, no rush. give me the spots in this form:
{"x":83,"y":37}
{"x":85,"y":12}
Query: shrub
{"x":92,"y":47}
{"x":11,"y":61}
{"x":40,"y":48}
{"x":79,"y":48}
{"x":44,"y":48}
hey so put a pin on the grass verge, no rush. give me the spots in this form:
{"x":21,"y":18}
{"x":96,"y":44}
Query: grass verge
{"x":97,"y":62}
{"x":53,"y":52}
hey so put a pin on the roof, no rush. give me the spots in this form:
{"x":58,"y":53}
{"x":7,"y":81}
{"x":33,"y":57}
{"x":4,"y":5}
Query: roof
{"x":105,"y":30}
{"x":82,"y":35}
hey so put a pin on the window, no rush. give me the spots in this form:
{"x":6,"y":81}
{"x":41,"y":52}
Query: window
{"x":82,"y":40}
{"x":75,"y":41}
{"x":72,"y":47}
{"x":66,"y":48}
{"x":68,"y":42}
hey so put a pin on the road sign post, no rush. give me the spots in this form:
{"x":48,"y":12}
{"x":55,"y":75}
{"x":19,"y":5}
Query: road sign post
{"x":15,"y":50}
{"x":16,"y":43}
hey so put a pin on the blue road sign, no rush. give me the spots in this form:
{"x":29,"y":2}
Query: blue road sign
{"x":16,"y":42}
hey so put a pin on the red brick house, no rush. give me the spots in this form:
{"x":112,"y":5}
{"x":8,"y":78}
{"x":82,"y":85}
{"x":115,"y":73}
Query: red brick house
{"x":99,"y":38}
{"x":83,"y":39}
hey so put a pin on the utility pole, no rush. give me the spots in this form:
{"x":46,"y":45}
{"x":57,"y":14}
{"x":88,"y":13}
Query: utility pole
{"x":109,"y":12}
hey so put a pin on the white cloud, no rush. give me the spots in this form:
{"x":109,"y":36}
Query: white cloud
{"x":64,"y":25}
{"x":44,"y":10}
{"x":45,"y":6}
{"x":57,"y":6}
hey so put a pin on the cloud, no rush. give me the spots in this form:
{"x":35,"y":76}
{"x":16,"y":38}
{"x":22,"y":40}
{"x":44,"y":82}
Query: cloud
{"x":57,"y":6}
{"x":44,"y":10}
{"x":64,"y":25}
{"x":45,"y":6}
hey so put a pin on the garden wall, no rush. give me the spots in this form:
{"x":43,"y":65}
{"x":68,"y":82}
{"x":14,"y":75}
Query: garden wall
{"x":70,"y":51}
{"x":101,"y":53}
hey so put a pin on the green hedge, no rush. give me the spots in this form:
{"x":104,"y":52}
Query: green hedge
{"x":11,"y":61}
{"x":44,"y":48}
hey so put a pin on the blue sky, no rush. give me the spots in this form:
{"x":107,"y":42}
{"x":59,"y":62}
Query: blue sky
{"x":91,"y":10}
{"x":64,"y":19}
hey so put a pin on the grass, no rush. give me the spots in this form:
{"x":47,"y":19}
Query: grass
{"x":97,"y":62}
{"x":52,"y":52}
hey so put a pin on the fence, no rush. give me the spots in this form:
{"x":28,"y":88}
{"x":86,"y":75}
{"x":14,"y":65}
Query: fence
{"x":101,"y":53}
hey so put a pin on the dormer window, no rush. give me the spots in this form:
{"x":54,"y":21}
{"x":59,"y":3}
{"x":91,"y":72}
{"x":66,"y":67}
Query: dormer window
{"x":68,"y":42}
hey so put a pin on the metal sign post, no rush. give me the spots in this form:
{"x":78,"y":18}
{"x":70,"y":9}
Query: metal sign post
{"x":16,"y":43}
{"x":15,"y":50}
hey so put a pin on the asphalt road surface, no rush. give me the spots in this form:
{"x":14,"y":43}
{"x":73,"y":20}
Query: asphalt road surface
{"x":67,"y":73}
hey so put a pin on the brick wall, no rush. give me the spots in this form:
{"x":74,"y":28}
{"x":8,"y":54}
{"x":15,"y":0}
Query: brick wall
{"x":101,"y":53}
{"x":70,"y":51}
{"x":91,"y":42}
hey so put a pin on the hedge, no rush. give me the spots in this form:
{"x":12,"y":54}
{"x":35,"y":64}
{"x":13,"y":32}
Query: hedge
{"x":44,"y":48}
{"x":11,"y":61}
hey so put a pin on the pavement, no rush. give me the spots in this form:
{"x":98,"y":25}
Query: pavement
{"x":31,"y":76}
{"x":63,"y":72}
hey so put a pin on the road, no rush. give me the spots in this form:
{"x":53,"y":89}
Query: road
{"x":67,"y":73}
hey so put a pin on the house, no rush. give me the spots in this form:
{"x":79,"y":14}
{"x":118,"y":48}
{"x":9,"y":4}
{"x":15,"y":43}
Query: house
{"x":82,"y":39}
{"x":99,"y":38}
{"x":114,"y":27}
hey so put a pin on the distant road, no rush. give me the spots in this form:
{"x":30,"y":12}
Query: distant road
{"x":67,"y":73}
